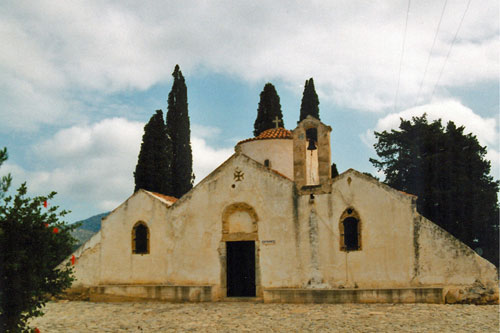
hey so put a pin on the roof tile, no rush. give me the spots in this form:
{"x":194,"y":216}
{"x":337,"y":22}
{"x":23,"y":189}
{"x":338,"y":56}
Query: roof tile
{"x":272,"y":133}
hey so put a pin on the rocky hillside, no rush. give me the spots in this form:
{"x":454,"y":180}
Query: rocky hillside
{"x":87,"y":229}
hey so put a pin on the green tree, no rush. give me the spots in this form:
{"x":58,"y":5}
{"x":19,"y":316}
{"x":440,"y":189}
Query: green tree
{"x":269,"y":110}
{"x":448,"y":172}
{"x":310,"y":101}
{"x":179,"y":132}
{"x":33,"y":242}
{"x":154,"y":166}
{"x":335,"y":172}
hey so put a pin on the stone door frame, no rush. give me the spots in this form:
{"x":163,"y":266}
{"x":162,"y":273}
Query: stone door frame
{"x":240,"y":236}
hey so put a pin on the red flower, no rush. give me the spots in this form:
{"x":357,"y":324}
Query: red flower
{"x":55,"y":230}
{"x":37,"y":330}
{"x":73,"y":259}
{"x":46,"y":225}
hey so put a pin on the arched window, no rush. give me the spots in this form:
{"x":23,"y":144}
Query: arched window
{"x":267,"y":163}
{"x":350,"y":231}
{"x":140,"y":238}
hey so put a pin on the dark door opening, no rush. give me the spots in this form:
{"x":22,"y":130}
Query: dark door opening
{"x":240,"y":269}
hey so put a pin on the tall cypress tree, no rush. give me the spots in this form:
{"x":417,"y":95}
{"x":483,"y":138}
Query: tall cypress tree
{"x":310,"y":101}
{"x":153,"y":171}
{"x":269,"y":108}
{"x":179,"y":132}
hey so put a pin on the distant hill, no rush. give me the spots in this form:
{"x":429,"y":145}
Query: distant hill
{"x":92,"y":223}
{"x":87,"y":229}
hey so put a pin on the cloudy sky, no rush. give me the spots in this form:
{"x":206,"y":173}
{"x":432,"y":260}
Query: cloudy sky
{"x":79,"y":79}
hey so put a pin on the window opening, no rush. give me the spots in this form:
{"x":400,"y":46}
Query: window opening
{"x":350,"y":231}
{"x":140,"y":243}
{"x":351,"y":240}
{"x":267,"y":163}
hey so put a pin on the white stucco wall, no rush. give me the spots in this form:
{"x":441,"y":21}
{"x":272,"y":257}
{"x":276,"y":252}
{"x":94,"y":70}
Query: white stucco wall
{"x":444,"y":260}
{"x":297,"y":238}
{"x":87,"y":262}
{"x":196,"y":228}
{"x":385,"y":258}
{"x":118,"y":263}
{"x":278,"y":151}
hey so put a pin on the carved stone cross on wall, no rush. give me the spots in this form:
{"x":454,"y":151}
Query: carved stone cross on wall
{"x":238,"y":175}
{"x":277,"y":121}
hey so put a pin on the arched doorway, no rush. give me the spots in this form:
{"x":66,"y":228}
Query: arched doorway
{"x":240,"y":275}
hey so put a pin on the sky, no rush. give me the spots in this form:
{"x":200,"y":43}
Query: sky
{"x":80,"y":79}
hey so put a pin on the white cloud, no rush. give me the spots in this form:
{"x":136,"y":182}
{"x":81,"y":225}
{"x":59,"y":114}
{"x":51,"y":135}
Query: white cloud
{"x":95,"y":163}
{"x":352,"y":49}
{"x":447,"y":110}
{"x":206,"y":158}
{"x":90,"y":163}
{"x":485,"y":129}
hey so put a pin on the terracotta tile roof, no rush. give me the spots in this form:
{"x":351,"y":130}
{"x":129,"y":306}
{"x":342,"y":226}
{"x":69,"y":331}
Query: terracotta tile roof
{"x":272,"y":133}
{"x":279,"y":173}
{"x":164,"y":197}
{"x":411,"y":195}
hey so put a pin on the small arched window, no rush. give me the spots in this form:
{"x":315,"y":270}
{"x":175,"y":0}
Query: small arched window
{"x":140,"y":238}
{"x":267,"y":163}
{"x":350,"y":231}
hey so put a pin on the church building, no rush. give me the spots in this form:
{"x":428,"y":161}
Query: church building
{"x":271,"y":224}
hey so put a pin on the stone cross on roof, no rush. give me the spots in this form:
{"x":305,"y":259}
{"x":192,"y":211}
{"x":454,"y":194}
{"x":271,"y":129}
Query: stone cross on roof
{"x":277,"y":121}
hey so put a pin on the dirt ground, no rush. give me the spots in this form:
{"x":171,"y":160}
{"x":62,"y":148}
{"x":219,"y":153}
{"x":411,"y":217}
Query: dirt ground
{"x":72,"y":316}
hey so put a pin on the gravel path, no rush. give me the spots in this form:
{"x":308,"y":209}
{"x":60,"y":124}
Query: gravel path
{"x":65,"y":316}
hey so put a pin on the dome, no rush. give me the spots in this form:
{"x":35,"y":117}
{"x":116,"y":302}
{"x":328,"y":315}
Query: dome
{"x":272,"y":133}
{"x":273,"y":148}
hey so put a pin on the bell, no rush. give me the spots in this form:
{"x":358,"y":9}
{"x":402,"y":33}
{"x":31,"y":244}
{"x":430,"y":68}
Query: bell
{"x":312,"y":145}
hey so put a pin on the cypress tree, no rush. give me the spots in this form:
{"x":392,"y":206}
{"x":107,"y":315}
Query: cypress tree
{"x":269,"y":108}
{"x":310,"y":101}
{"x":179,"y":132}
{"x":153,"y":171}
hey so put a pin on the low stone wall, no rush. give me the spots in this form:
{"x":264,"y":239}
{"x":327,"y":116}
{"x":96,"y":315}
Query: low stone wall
{"x":112,"y":293}
{"x":399,"y":295}
{"x":476,"y":294}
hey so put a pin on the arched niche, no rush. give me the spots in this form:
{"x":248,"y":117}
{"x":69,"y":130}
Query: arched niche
{"x":350,"y":230}
{"x":239,"y":223}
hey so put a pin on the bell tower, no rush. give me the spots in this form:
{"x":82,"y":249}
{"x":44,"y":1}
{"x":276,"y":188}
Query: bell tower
{"x":312,"y":156}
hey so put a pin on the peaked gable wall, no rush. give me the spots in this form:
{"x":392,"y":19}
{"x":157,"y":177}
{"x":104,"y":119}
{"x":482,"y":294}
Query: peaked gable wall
{"x":195,"y":245}
{"x":386,"y":217}
{"x":118,"y":263}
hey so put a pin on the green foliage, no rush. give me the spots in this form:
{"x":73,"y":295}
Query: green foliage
{"x":33,"y":242}
{"x":448,"y":172}
{"x":269,"y":108}
{"x":154,"y":167}
{"x":179,"y":132}
{"x":335,"y":172}
{"x":5,"y":180}
{"x":310,"y":101}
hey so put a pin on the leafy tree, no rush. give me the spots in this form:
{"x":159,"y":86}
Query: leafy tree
{"x":269,"y":108}
{"x":179,"y":132}
{"x":33,"y":242}
{"x":153,"y":171}
{"x":448,"y":172}
{"x":310,"y":101}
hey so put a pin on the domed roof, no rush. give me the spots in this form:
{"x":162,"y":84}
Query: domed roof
{"x":272,"y":133}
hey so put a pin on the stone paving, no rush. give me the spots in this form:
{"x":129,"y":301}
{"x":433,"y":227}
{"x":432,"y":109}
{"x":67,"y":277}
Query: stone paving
{"x":72,"y":316}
